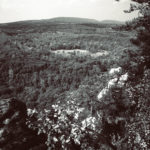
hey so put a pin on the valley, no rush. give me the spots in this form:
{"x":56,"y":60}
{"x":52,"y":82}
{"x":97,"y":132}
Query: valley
{"x":58,"y":67}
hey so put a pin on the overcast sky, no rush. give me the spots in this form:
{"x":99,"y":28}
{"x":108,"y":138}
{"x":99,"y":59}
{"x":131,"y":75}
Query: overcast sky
{"x":16,"y":10}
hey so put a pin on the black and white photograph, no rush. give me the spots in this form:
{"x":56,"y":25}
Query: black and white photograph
{"x":74,"y":74}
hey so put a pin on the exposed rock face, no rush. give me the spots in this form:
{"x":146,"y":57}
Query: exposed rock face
{"x":14,"y":134}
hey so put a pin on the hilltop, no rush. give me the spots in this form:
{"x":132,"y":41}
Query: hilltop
{"x":73,"y":20}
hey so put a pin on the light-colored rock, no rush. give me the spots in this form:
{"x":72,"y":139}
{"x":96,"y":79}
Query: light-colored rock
{"x":115,"y":71}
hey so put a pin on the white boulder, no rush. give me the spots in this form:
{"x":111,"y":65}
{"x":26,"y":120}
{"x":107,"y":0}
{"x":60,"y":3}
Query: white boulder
{"x":115,"y":71}
{"x":103,"y":93}
{"x":112,"y":83}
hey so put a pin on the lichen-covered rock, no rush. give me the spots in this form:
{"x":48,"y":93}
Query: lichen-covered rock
{"x":14,"y":134}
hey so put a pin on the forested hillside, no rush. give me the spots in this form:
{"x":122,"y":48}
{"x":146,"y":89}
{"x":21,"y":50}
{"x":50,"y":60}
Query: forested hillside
{"x":76,"y":98}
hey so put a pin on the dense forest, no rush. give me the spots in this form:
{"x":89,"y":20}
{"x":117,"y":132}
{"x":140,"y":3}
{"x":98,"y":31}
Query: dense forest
{"x":78,"y":99}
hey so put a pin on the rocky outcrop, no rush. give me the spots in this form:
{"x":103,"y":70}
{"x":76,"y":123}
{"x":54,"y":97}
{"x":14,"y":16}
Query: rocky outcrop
{"x":14,"y":134}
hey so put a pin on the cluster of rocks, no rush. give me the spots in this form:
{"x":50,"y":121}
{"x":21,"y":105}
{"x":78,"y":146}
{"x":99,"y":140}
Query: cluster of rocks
{"x":14,"y":133}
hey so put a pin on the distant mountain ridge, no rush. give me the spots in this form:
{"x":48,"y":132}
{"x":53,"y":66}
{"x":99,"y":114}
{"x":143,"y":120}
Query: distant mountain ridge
{"x":61,"y":20}
{"x":73,"y":20}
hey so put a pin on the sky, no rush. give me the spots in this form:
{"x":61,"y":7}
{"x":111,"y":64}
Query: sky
{"x":17,"y":10}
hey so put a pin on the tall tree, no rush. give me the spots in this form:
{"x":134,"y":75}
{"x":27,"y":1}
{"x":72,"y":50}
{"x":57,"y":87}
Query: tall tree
{"x":143,"y":24}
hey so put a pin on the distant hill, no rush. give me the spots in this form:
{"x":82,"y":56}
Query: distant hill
{"x":57,"y":20}
{"x":73,"y":20}
{"x":56,"y":24}
{"x":62,"y":20}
